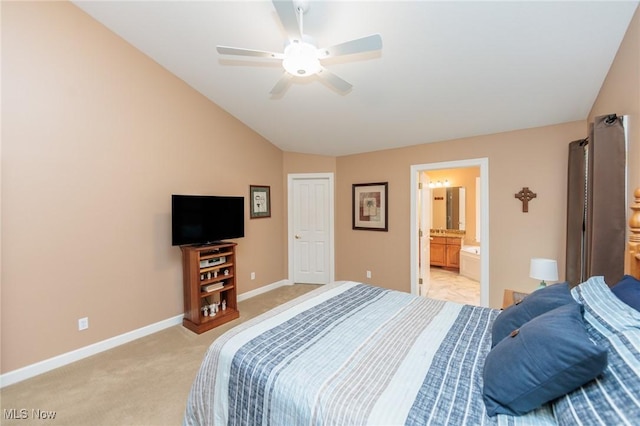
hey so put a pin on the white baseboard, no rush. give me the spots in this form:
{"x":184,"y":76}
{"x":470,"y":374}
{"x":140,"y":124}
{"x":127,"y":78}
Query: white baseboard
{"x":41,"y":367}
{"x":264,"y":289}
{"x":33,"y":370}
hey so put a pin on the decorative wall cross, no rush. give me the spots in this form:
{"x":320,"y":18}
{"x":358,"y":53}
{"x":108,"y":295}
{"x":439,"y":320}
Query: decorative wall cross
{"x":525,"y":195}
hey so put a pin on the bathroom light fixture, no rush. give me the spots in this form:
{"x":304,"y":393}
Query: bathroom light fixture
{"x":543,"y":269}
{"x":439,"y":184}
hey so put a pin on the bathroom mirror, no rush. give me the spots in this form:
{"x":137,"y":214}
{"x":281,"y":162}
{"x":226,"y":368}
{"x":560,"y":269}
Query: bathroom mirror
{"x":448,"y":208}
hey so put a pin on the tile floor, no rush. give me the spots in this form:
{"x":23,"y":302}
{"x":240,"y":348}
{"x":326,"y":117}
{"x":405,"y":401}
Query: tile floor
{"x":449,"y":285}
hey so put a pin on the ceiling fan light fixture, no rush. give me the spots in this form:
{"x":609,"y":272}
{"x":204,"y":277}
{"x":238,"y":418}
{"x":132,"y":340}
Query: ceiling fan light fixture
{"x":301,"y":56}
{"x":301,"y":59}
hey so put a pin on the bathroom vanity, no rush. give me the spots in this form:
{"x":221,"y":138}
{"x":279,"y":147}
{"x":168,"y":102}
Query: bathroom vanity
{"x":445,"y":250}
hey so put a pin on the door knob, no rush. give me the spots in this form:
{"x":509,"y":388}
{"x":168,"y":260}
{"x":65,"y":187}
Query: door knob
{"x":298,"y":237}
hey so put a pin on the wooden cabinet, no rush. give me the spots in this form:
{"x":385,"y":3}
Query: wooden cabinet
{"x":438,"y":252}
{"x":445,"y":252}
{"x":453,"y":252}
{"x":209,"y":284}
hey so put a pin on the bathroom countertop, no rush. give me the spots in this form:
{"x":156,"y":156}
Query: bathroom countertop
{"x":448,"y":234}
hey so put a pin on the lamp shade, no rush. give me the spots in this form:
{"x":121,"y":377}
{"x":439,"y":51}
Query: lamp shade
{"x":544,"y":269}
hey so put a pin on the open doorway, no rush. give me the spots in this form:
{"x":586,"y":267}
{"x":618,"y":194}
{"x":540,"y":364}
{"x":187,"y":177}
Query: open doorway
{"x":424,"y":198}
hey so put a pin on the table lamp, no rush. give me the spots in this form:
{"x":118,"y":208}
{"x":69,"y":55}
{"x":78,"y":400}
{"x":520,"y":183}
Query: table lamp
{"x":543,"y":269}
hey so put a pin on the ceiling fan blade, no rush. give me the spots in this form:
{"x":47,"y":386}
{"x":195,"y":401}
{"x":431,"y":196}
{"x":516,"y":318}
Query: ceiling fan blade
{"x":226,"y":50}
{"x":359,"y":45}
{"x":286,"y":10}
{"x":281,"y":85}
{"x":334,"y":81}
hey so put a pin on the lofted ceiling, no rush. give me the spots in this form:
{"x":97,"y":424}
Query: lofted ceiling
{"x":446,"y":70}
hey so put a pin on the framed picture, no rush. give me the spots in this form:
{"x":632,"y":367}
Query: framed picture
{"x":370,"y":206}
{"x":260,"y":200}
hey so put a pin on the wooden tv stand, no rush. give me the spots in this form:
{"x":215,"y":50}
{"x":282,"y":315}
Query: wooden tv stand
{"x":209,"y":278}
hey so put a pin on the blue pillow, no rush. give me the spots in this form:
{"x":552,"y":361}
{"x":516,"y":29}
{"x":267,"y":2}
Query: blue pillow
{"x":613,"y":396}
{"x":537,"y":303}
{"x":628,"y":290}
{"x":546,"y":358}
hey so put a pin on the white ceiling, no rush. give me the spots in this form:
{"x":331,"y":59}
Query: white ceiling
{"x":446,"y":70}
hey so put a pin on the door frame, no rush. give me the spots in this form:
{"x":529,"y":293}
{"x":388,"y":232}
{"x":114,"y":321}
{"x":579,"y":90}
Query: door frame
{"x":291,"y":177}
{"x":483,"y":163}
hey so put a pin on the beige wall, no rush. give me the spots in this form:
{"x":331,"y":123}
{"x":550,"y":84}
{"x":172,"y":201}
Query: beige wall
{"x":536,"y":158}
{"x":307,"y":163}
{"x":96,"y":137}
{"x":620,"y":94}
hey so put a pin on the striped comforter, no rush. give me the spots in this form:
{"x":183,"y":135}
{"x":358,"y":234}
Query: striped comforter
{"x":351,"y":354}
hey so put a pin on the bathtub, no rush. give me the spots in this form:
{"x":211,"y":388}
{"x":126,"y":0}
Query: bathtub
{"x":470,"y":262}
{"x":471,"y":249}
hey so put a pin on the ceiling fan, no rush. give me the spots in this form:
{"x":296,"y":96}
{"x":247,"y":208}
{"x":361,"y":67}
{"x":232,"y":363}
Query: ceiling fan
{"x":301,"y":56}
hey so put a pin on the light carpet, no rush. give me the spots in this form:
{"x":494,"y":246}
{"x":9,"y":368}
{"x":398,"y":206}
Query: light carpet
{"x":144,"y":382}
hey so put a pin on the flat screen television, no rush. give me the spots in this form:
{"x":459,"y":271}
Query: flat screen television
{"x":203,"y":219}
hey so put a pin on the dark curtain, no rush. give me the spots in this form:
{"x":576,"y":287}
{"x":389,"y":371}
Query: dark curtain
{"x":576,"y":211}
{"x":596,"y":203}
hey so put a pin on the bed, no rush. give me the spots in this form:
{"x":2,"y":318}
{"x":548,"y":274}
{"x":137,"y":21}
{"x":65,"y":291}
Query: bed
{"x":353,"y":354}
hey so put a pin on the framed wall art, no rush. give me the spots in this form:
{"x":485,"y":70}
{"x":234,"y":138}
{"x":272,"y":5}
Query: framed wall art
{"x":370,"y":206}
{"x":260,"y":201}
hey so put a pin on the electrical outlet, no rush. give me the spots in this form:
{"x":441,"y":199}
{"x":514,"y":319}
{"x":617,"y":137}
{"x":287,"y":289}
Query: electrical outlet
{"x":368,"y":274}
{"x":253,"y":275}
{"x":83,"y":323}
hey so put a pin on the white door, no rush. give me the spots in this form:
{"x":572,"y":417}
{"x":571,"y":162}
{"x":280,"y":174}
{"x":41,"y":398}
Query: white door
{"x":311,"y":222}
{"x":424,"y":227}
